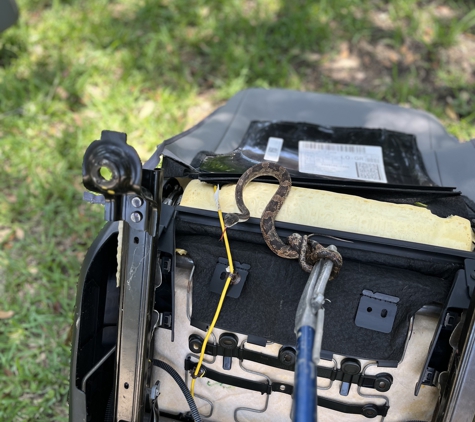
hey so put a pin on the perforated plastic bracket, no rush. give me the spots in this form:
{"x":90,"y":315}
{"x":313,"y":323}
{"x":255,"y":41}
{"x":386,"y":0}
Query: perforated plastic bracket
{"x":220,"y":275}
{"x":376,"y":311}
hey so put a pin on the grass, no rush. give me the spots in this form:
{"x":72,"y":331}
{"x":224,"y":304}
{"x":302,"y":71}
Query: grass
{"x":152,"y":68}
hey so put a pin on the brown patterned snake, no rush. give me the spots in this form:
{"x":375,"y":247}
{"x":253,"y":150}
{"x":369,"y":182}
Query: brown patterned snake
{"x":307,"y":251}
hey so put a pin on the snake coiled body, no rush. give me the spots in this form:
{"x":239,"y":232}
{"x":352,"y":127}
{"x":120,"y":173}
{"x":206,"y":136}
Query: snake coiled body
{"x":307,"y":251}
{"x":269,"y":232}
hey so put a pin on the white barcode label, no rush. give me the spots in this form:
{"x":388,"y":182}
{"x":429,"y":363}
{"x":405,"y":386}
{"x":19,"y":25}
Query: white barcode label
{"x":360,"y":162}
{"x":274,"y":146}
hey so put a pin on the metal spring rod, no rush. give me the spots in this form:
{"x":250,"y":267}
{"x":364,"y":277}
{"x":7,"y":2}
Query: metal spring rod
{"x":373,"y":396}
{"x":96,"y":367}
{"x":211,"y":405}
{"x":248,"y":409}
{"x":335,"y":365}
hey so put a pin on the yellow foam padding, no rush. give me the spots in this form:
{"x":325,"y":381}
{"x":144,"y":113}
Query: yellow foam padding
{"x":337,"y":211}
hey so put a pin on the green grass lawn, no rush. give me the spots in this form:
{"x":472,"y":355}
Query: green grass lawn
{"x":71,"y":68}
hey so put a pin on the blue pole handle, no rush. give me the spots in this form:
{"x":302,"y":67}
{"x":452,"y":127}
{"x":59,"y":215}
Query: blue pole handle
{"x":305,"y":394}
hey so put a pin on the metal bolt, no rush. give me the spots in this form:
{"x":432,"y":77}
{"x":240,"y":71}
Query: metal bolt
{"x":136,"y":217}
{"x":382,"y":384}
{"x":137,"y":202}
{"x":282,"y":388}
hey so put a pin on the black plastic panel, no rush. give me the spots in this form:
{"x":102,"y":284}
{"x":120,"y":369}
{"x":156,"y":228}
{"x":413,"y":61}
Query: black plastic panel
{"x":402,"y":159}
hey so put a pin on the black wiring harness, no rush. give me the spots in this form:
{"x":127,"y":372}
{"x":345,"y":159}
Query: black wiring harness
{"x":186,"y":392}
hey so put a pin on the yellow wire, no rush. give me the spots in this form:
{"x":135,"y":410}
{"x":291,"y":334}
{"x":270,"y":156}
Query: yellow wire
{"x":220,"y":304}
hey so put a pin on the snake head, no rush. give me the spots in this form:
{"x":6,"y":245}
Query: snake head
{"x":230,"y":220}
{"x":295,"y":241}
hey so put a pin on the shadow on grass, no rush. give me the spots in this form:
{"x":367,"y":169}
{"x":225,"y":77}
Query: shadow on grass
{"x":209,"y":45}
{"x":305,"y":45}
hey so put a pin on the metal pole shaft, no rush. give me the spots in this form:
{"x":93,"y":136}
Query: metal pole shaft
{"x":309,"y":331}
{"x":305,"y":394}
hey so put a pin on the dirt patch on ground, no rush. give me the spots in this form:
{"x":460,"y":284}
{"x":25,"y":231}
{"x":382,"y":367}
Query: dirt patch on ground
{"x":459,"y":59}
{"x":426,"y":54}
{"x":367,"y":64}
{"x":377,"y":66}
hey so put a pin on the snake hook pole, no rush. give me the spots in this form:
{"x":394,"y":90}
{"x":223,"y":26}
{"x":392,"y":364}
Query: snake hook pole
{"x":309,"y":331}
